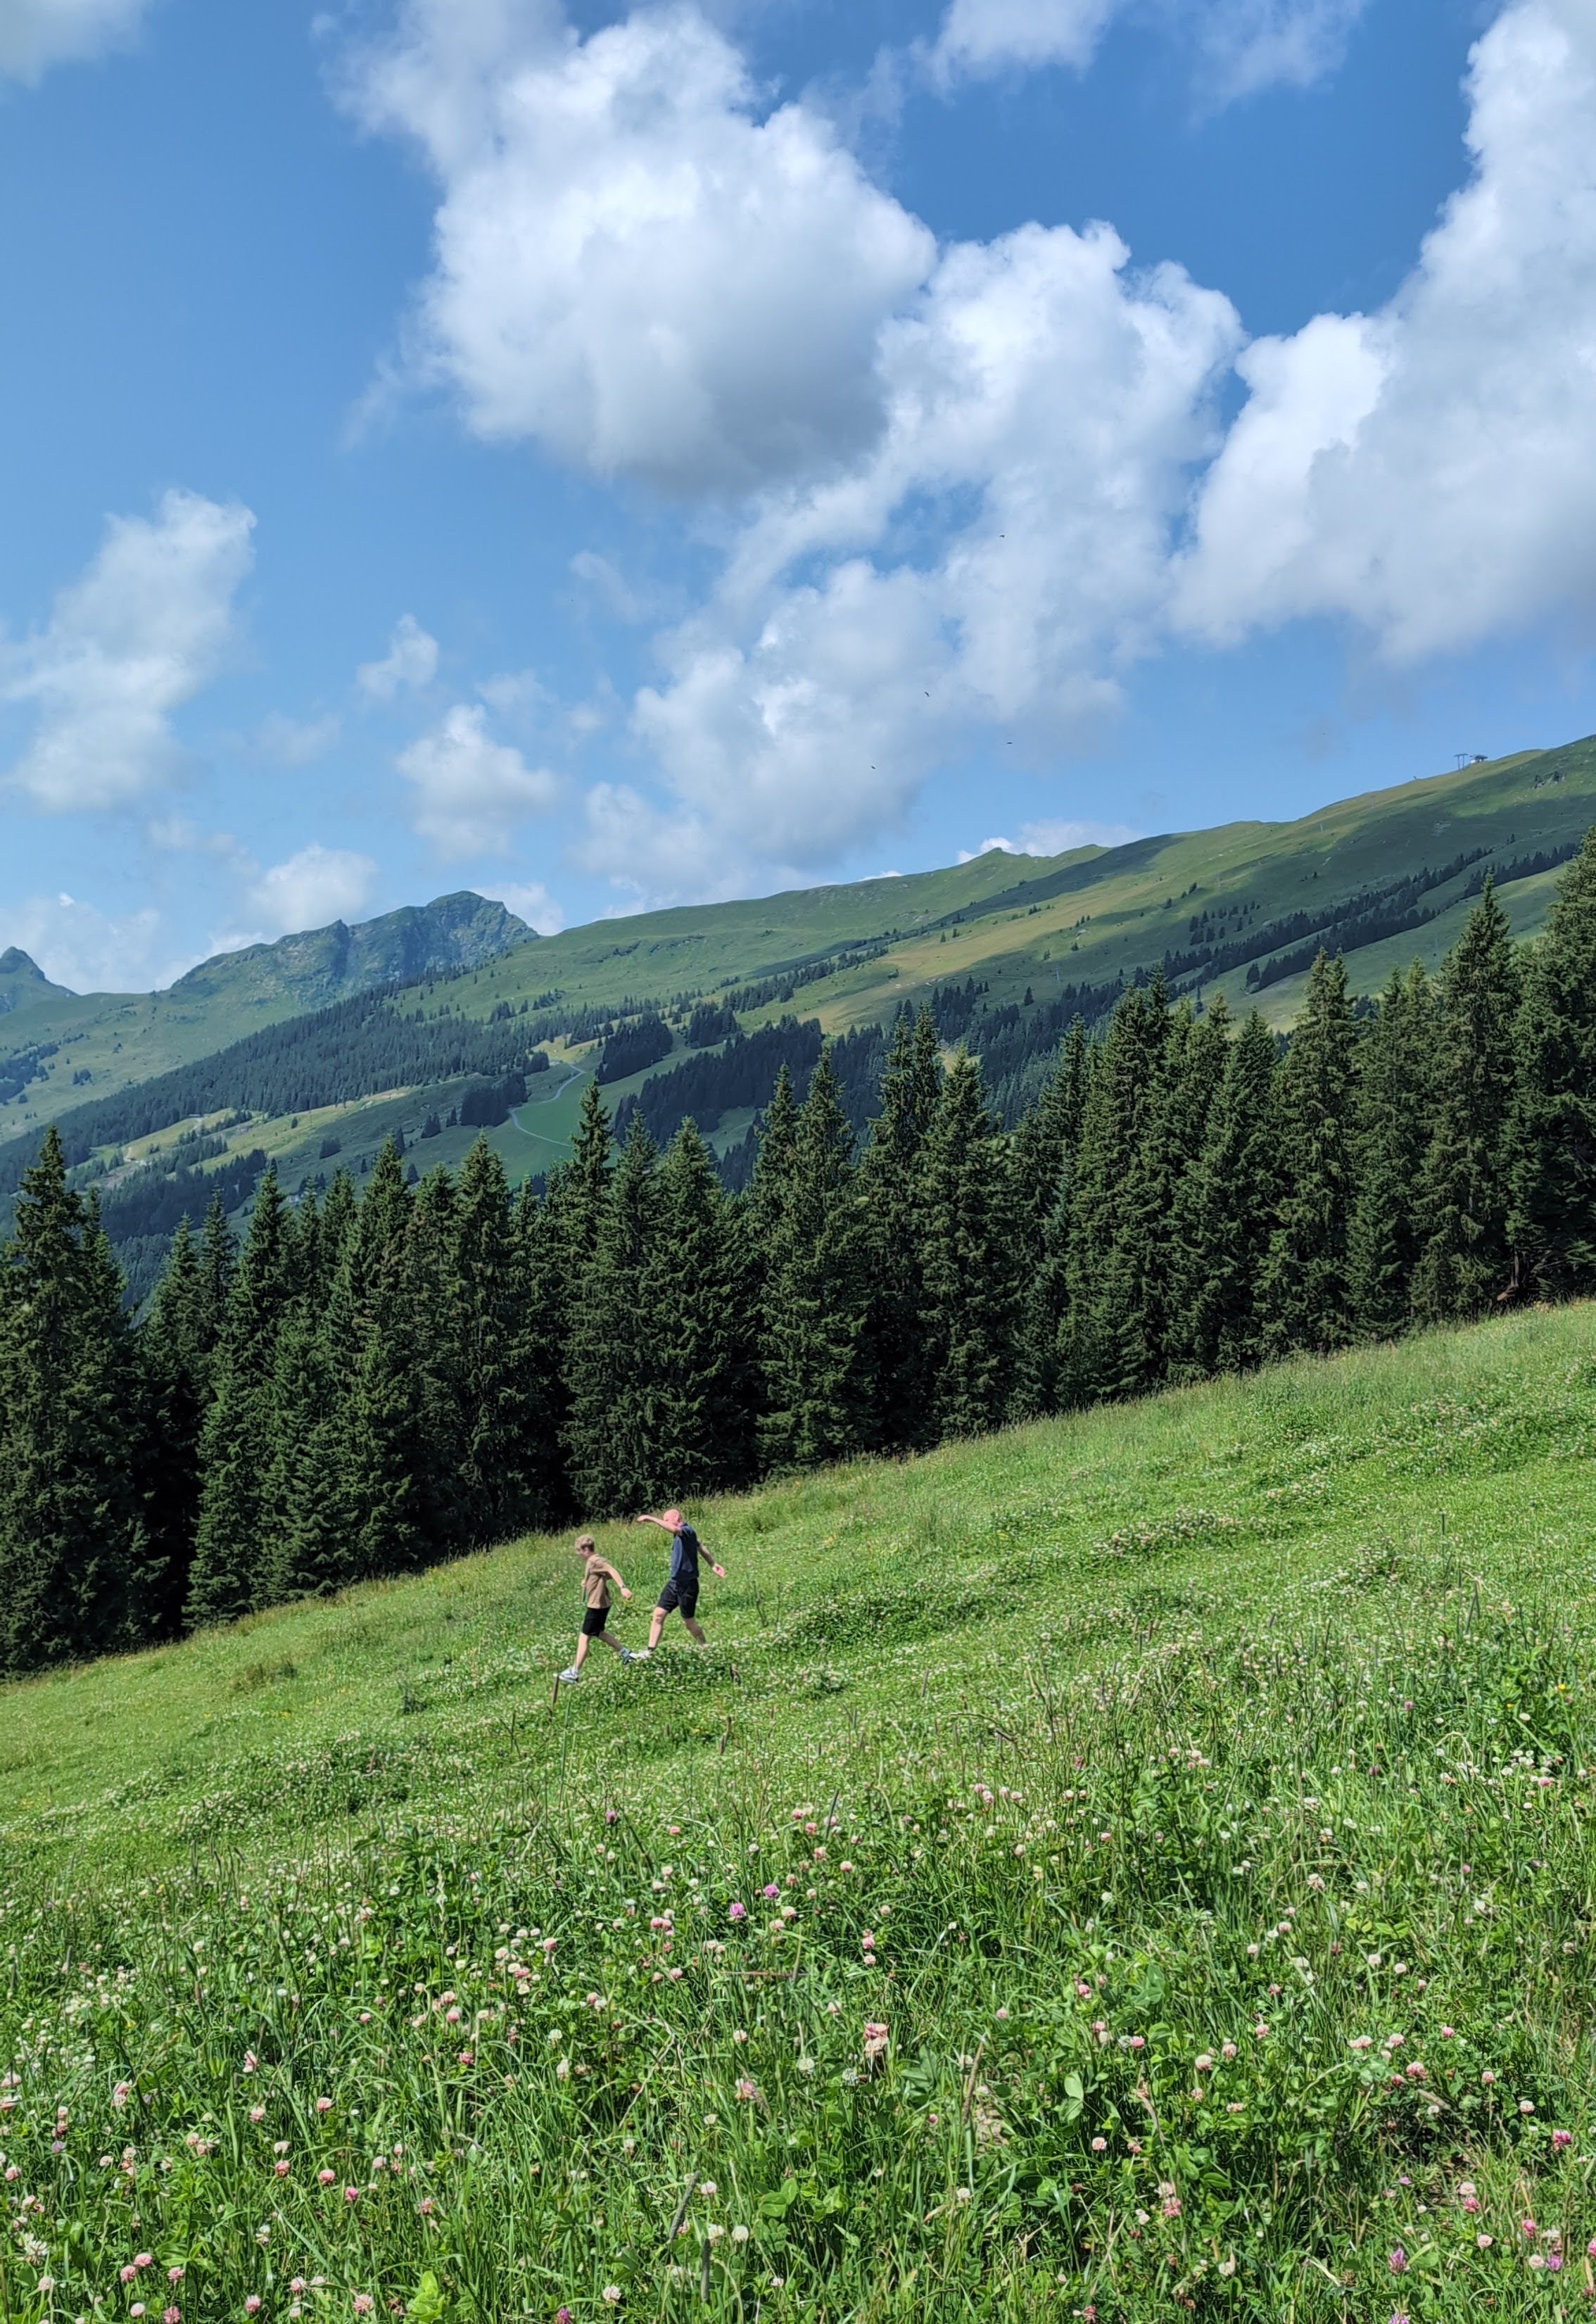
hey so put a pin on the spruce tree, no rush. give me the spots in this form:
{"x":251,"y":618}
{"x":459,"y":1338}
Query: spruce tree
{"x":1304,"y":1290}
{"x":1043,"y":1154}
{"x":230,"y":1573}
{"x":70,"y":1538}
{"x":1140,"y":1322}
{"x":890,"y":1187}
{"x":967,"y":1259}
{"x":817,"y":1391}
{"x":175,"y":1352}
{"x":618,"y":1350}
{"x":1395,"y":1084}
{"x":1551,"y":1143}
{"x":377,"y":1326}
{"x":696,"y":1294}
{"x":310,"y":1537}
{"x":503,"y":1460}
{"x":1224,"y":1216}
{"x":1462,"y":1197}
{"x":1125,"y":1089}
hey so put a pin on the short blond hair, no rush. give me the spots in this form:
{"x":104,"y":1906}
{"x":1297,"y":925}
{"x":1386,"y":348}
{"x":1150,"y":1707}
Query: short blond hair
{"x":585,"y":1541}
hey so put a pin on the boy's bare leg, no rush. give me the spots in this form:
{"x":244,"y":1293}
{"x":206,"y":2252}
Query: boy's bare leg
{"x":583,"y":1643}
{"x":656,"y":1628}
{"x":695,"y":1629}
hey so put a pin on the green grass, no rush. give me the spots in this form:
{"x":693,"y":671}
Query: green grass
{"x":1144,"y":1776}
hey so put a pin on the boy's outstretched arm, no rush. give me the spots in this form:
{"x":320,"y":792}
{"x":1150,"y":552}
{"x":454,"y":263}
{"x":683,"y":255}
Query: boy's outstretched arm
{"x":618,"y":1578}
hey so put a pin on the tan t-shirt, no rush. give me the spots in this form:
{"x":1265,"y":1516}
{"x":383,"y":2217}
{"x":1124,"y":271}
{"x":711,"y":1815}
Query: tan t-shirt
{"x":596,"y":1581}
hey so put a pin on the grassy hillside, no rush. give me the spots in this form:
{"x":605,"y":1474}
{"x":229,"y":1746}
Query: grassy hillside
{"x":1031,"y":933}
{"x":1131,"y":1866}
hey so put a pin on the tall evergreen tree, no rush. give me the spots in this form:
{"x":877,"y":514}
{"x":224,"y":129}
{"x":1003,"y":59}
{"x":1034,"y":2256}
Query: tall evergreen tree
{"x":1043,"y":1156}
{"x":378,"y":1332}
{"x":1551,"y":1144}
{"x":816,"y":1296}
{"x":890,"y":1187}
{"x":696,"y":1294}
{"x":1396,"y":1082}
{"x":1126,"y":1088}
{"x":1139,"y":1323}
{"x":1462,"y":1206}
{"x":70,"y":1538}
{"x":618,"y":1350}
{"x":968,"y":1259}
{"x":175,"y":1351}
{"x":229,"y":1575}
{"x":504,"y":1458}
{"x":1224,"y":1216}
{"x":1305,"y":1290}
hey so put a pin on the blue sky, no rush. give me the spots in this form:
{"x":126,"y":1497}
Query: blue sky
{"x":606,"y":458}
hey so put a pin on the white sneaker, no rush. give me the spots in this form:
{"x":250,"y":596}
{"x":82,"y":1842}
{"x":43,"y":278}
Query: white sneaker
{"x":640,"y":1654}
{"x":569,"y":1678}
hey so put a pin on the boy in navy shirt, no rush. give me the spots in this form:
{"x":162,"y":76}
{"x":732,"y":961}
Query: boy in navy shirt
{"x":680,"y":1593}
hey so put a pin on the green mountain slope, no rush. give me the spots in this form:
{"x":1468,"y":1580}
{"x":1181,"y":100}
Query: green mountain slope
{"x":1239,"y":910}
{"x":1191,"y":1796}
{"x":109,"y":1041}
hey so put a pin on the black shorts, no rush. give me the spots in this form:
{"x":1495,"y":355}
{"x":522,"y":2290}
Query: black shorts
{"x":680,"y":1597}
{"x":593,"y":1620}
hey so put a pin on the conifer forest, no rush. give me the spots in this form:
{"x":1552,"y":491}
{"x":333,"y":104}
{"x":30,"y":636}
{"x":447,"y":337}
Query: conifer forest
{"x":359,"y":1385}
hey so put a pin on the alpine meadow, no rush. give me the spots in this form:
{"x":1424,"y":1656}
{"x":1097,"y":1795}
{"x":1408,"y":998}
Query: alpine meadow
{"x":1125,"y":1850}
{"x":798,"y":1162}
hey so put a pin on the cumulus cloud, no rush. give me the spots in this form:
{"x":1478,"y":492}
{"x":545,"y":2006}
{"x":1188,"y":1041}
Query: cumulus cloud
{"x":311,"y":888}
{"x":410,"y":660}
{"x":35,"y":34}
{"x":1043,"y":409}
{"x":1429,"y":471}
{"x":90,"y":951}
{"x":1242,"y":45}
{"x":126,"y":646}
{"x":633,"y":267}
{"x":472,"y":791}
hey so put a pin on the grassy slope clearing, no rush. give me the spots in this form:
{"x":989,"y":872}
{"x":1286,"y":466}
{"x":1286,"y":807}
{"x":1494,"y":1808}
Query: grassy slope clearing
{"x":1193,"y":1795}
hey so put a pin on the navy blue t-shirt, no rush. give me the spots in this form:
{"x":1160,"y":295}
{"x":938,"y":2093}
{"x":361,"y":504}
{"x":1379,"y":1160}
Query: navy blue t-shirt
{"x":683,"y":1556}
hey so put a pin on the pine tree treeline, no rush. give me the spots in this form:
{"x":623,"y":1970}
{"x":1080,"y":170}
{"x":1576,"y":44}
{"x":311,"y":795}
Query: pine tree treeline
{"x":368,"y":1384}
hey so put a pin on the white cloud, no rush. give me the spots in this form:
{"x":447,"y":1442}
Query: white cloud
{"x":313,"y":889}
{"x":35,"y":34}
{"x":530,"y":901}
{"x":1429,"y":471}
{"x":126,"y":646}
{"x":1044,"y":408}
{"x":410,"y":660}
{"x":471,"y":792}
{"x":90,"y":951}
{"x":984,"y":36}
{"x":634,"y":267}
{"x":1052,"y":836}
{"x":1248,"y":45}
{"x":1243,"y":46}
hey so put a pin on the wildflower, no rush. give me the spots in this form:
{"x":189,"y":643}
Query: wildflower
{"x":174,"y":2275}
{"x":137,"y":2308}
{"x":326,"y":2177}
{"x":282,"y":2169}
{"x":257,"y":2114}
{"x":562,"y":2316}
{"x":770,"y":1889}
{"x":1099,"y":2145}
{"x":747,"y":2089}
{"x":1484,"y":2242}
{"x":1204,"y":2064}
{"x":1397,"y":2261}
{"x":1526,"y":2106}
{"x":249,"y":2062}
{"x":613,"y":2293}
{"x":351,"y":2194}
{"x":143,"y":2259}
{"x":363,"y":2303}
{"x":737,"y":1912}
{"x":1561,"y":2138}
{"x":172,"y":2315}
{"x":324,"y":2105}
{"x":739,"y":2235}
{"x":252,"y":2306}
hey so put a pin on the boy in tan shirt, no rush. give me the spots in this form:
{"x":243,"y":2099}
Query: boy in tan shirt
{"x":598,"y":1573}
